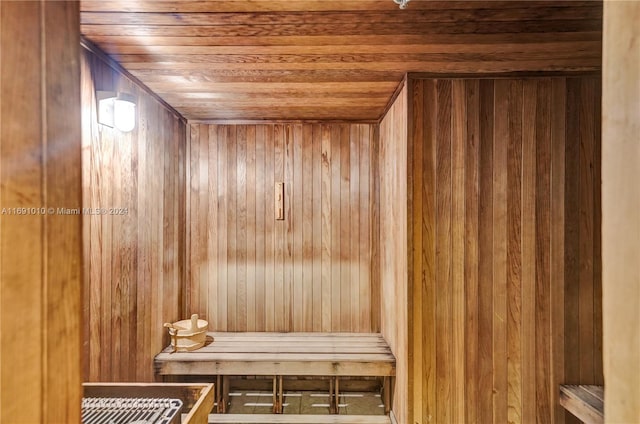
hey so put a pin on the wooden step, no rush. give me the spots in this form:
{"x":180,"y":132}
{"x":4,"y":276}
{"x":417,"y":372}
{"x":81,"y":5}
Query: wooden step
{"x":297,"y":419}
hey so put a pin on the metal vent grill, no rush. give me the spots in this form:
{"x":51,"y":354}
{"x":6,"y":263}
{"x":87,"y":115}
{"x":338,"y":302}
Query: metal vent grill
{"x":131,"y":411}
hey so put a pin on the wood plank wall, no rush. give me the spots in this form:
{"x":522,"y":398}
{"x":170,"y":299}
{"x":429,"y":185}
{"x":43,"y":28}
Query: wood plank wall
{"x":393,"y":251}
{"x":134,"y":257}
{"x":40,"y":250}
{"x":310,"y":272}
{"x":504,"y":266}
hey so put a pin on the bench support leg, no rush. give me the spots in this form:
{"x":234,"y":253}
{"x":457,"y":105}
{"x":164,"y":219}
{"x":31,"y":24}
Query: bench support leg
{"x":337,"y":396}
{"x":386,"y":394}
{"x":224,"y":401}
{"x":221,"y":393}
{"x":218,"y":394}
{"x":278,"y":395}
{"x":275,"y":394}
{"x":334,"y":395}
{"x":331,"y":396}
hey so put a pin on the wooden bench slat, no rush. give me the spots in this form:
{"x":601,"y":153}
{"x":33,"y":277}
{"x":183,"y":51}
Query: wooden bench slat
{"x":300,"y":368}
{"x":274,"y":357}
{"x":597,"y":391}
{"x":294,"y":350}
{"x":225,"y":344}
{"x":287,"y":348}
{"x":260,"y":334}
{"x":338,"y":342}
{"x":585,"y":402}
{"x":284,"y":339}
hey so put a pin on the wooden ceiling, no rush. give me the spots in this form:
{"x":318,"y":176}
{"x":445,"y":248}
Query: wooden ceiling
{"x":329,"y":59}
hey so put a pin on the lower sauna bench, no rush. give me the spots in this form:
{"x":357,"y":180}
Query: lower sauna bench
{"x":584,"y":401}
{"x":332,"y":355}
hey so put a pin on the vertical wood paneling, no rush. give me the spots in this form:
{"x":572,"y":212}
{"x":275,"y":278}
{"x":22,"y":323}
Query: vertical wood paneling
{"x":269,"y":229}
{"x":250,"y":303}
{"x":346,"y":308}
{"x":543,"y":247}
{"x":444,"y":321}
{"x":40,"y":250}
{"x":558,"y":143}
{"x":104,"y":196}
{"x":232,"y":228}
{"x":202,"y":169}
{"x":280,"y":234}
{"x":220,"y":261}
{"x":471,"y":240}
{"x":307,"y":266}
{"x":426,"y":257}
{"x":514,"y":253}
{"x":335,"y":231}
{"x":317,"y":219}
{"x":293,"y":275}
{"x":485,"y":257}
{"x":260,"y":219}
{"x":502,"y":247}
{"x":297,"y":258}
{"x":394,"y":294}
{"x":371,"y":234}
{"x":458,"y":197}
{"x":587,"y":227}
{"x":241,"y":213}
{"x":528,"y":247}
{"x":212,"y":218}
{"x":596,"y":103}
{"x":289,"y":229}
{"x":368,"y":211}
{"x":132,"y":254}
{"x":499,"y":225}
{"x":325,"y":205}
{"x":414,"y":235}
{"x":354,"y":215}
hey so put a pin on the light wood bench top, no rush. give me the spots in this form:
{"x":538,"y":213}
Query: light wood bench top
{"x":300,"y":354}
{"x":584,"y":401}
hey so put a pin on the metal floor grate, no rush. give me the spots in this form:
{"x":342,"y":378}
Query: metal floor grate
{"x":131,"y":410}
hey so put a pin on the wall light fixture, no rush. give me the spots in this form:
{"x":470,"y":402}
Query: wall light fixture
{"x":402,"y":3}
{"x":116,"y":110}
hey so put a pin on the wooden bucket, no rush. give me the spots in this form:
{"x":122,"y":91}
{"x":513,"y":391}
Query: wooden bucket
{"x":188,"y":334}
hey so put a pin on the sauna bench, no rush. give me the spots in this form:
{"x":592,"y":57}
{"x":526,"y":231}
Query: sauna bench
{"x":583,"y":401}
{"x":332,"y":355}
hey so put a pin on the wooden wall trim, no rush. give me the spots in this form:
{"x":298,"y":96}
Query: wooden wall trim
{"x":276,"y":121}
{"x":40,"y":246}
{"x":394,"y":262}
{"x":503,"y":75}
{"x":621,"y":203}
